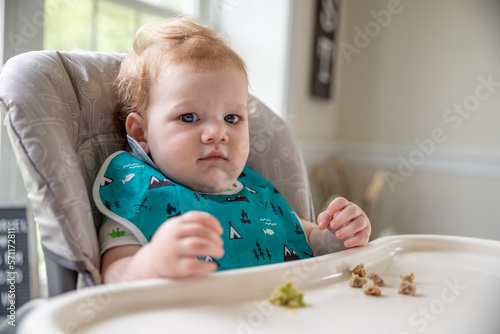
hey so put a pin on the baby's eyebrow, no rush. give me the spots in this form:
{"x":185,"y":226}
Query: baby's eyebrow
{"x":193,"y":104}
{"x":241,"y":107}
{"x":184,"y":104}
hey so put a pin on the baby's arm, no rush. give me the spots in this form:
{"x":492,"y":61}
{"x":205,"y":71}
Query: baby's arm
{"x":349,"y":221}
{"x":172,"y":252}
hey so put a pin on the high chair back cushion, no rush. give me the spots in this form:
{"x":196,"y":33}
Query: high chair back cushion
{"x":58,"y":111}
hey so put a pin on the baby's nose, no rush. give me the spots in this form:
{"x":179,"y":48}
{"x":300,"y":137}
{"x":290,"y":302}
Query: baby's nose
{"x":214,"y":133}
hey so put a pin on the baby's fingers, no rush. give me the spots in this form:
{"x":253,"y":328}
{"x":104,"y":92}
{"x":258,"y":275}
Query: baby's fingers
{"x":355,"y":226}
{"x":359,"y":239}
{"x":192,"y":247}
{"x":332,"y":211}
{"x":348,"y":213}
{"x":197,"y":246}
{"x":196,"y":230}
{"x":338,"y":204}
{"x":203,"y":218}
{"x":324,"y":218}
{"x":188,"y":266}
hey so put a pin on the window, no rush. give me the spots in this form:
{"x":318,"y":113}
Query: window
{"x":104,"y":25}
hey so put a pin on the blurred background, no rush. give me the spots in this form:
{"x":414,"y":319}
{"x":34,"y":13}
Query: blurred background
{"x":409,"y":126}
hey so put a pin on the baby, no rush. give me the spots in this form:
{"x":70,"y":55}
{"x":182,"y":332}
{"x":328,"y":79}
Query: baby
{"x":183,"y":202}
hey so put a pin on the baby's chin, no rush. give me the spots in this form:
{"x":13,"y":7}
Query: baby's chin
{"x":211,"y":180}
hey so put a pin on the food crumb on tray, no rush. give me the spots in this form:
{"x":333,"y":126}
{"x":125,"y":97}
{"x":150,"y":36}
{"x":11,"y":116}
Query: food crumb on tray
{"x":407,"y":288}
{"x":287,"y":295}
{"x":407,"y":285}
{"x":376,"y":279}
{"x":359,"y":270}
{"x":408,"y":278}
{"x":371,"y":290}
{"x":356,"y":281}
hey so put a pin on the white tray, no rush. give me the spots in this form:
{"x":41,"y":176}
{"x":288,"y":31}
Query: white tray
{"x":458,"y":291}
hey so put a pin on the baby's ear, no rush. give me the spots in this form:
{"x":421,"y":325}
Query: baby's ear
{"x":136,"y":128}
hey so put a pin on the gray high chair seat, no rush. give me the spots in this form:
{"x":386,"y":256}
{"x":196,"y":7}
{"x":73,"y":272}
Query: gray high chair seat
{"x":58,"y":111}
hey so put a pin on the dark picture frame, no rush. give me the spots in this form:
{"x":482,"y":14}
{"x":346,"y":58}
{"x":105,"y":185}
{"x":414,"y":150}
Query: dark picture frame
{"x":326,"y":21}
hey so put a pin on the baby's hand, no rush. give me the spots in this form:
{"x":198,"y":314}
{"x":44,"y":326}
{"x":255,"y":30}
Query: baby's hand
{"x":349,"y":220}
{"x":178,"y":242}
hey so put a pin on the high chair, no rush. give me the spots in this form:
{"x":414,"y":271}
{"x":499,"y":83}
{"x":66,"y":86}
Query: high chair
{"x":58,"y":111}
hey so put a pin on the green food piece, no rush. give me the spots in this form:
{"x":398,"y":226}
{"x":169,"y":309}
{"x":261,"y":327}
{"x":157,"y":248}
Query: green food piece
{"x":287,"y":295}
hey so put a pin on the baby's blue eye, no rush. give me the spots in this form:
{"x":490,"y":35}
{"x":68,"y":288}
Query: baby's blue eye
{"x":232,"y":119}
{"x":189,"y":118}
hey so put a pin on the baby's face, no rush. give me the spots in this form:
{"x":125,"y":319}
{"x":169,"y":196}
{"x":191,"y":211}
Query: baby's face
{"x":197,"y":126}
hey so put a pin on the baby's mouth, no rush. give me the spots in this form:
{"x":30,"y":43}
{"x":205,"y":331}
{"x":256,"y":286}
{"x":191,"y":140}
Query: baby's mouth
{"x":214,"y":156}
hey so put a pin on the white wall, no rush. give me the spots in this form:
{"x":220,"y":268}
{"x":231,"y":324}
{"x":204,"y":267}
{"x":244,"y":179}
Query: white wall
{"x":427,"y":59}
{"x":394,"y":107}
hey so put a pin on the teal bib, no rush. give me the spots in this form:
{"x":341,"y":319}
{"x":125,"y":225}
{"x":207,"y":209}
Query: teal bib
{"x":259,"y":225}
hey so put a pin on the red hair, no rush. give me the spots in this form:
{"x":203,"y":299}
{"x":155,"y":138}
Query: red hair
{"x":176,"y":41}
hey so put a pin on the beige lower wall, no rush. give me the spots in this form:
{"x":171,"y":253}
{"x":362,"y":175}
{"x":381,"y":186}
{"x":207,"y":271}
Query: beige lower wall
{"x":441,"y":204}
{"x":438,"y":198}
{"x":450,"y":194}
